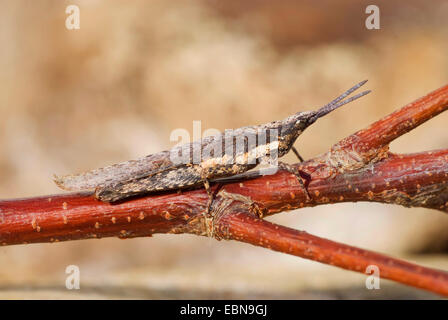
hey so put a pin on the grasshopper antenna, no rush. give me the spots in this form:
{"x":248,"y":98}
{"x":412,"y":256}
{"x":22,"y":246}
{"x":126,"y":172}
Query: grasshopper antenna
{"x":336,"y":103}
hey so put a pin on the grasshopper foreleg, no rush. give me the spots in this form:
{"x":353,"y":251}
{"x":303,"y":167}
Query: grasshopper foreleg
{"x":297,"y":154}
{"x":210,"y":196}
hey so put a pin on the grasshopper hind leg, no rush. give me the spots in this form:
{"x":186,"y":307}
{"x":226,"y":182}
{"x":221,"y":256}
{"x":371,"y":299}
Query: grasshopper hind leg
{"x":179,"y":178}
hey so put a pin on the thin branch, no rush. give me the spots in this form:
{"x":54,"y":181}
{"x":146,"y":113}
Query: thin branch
{"x":371,"y":143}
{"x":247,"y":228}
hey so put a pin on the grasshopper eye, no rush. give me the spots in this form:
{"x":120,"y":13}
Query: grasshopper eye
{"x":302,"y":123}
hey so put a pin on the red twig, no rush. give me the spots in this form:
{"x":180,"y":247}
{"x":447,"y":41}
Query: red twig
{"x":246,"y":228}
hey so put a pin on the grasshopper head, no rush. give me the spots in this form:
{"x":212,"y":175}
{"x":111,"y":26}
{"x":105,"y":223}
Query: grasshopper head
{"x":291,"y":128}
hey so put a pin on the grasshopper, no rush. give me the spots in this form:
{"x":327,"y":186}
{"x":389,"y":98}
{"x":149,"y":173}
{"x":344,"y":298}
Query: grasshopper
{"x":210,"y":159}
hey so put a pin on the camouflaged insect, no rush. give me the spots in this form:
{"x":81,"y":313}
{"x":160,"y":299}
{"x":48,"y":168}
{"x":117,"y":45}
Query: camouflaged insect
{"x":224,"y":155}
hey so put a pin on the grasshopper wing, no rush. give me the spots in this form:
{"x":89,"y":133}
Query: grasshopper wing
{"x":116,"y":173}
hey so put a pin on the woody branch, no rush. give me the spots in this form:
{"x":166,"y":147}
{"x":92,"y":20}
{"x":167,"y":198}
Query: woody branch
{"x":358,"y":168}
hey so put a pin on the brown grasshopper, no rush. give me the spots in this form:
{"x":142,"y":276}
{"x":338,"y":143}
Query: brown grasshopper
{"x":207,"y":160}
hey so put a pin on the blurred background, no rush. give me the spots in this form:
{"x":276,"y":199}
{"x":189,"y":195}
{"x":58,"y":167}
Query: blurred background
{"x":73,"y":100}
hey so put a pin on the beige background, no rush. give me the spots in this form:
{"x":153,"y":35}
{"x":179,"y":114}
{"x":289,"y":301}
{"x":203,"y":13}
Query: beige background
{"x":136,"y":70}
